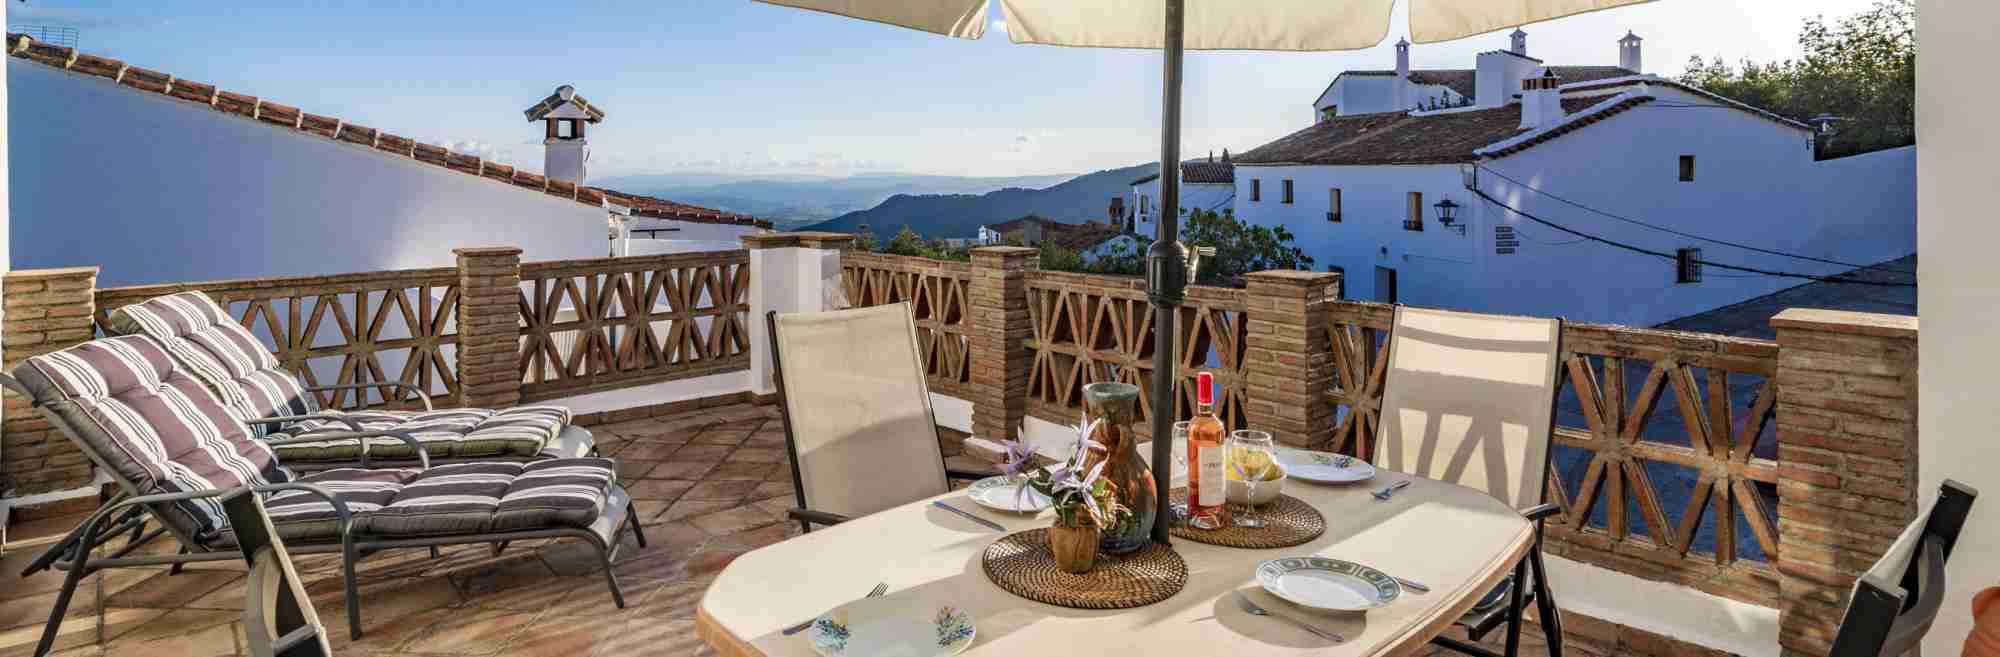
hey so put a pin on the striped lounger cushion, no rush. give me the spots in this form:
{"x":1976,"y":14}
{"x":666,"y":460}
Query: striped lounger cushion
{"x":234,"y":363}
{"x":466,"y":498}
{"x":151,"y":423}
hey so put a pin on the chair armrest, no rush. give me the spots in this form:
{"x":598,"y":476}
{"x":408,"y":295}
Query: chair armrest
{"x":288,"y":419}
{"x":1541,"y":512}
{"x":363,"y":386}
{"x":423,"y":455}
{"x":816,"y":517}
{"x":966,"y":475}
{"x":343,"y":518}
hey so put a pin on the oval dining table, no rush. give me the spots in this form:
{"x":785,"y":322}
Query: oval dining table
{"x":1457,"y":541}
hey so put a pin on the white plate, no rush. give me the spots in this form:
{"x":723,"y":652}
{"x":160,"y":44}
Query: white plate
{"x":1329,"y":584}
{"x":892,"y":627}
{"x":1324,"y":467}
{"x":998,"y":494}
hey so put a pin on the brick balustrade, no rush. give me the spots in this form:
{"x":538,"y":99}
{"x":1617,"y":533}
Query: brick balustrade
{"x":1289,"y":362}
{"x":1847,"y":454}
{"x":489,"y":291}
{"x":999,"y":377}
{"x":45,"y":310}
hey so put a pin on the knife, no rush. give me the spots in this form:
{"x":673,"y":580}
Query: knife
{"x":968,"y":516}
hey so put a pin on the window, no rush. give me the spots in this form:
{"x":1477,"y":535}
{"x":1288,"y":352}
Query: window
{"x":1415,"y":219}
{"x":1687,"y":168}
{"x":1288,"y":191}
{"x":566,"y":129}
{"x":1333,"y":205}
{"x":1256,"y":190}
{"x":1687,"y":266}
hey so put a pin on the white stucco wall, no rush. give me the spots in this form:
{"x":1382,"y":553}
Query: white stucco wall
{"x":1960,"y":293}
{"x":155,"y":189}
{"x":1214,"y":197}
{"x":1755,"y":184}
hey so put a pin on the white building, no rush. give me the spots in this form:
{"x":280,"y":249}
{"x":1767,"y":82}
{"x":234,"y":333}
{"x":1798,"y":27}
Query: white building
{"x":1205,"y":184}
{"x":1638,"y":161}
{"x":138,"y":171}
{"x":1493,"y":82}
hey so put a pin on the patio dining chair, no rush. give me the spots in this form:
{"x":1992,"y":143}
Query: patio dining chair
{"x":234,"y":364}
{"x":176,"y":452}
{"x":857,"y":412}
{"x":1470,"y":399}
{"x":1896,"y":600}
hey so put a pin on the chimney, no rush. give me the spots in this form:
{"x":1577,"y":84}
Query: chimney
{"x":1520,"y":46}
{"x":565,"y":152}
{"x":1402,"y":93}
{"x":1541,"y":101}
{"x":1628,"y":53}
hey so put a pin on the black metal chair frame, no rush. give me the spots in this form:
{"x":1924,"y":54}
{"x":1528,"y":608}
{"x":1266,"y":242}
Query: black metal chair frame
{"x":1511,"y":614}
{"x":1885,"y":619}
{"x":131,"y":510}
{"x":807,"y":516}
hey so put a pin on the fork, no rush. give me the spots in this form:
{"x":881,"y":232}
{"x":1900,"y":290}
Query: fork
{"x":1390,"y":490}
{"x":801,"y":627}
{"x":1255,"y":610}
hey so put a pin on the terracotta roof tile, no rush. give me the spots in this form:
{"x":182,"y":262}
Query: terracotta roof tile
{"x":324,"y":126}
{"x":150,"y":81}
{"x":284,"y":115}
{"x":549,"y":104}
{"x":357,"y":134}
{"x":235,"y":103}
{"x":145,"y":79}
{"x":1208,"y":172}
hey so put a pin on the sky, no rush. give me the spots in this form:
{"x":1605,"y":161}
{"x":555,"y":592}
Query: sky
{"x":734,"y":86}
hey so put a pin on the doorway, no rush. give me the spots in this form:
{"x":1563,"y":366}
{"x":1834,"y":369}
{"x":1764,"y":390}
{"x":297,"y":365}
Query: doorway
{"x":1385,"y":285}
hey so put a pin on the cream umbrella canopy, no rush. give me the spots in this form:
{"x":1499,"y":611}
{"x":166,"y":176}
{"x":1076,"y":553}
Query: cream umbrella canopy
{"x":1177,"y":25}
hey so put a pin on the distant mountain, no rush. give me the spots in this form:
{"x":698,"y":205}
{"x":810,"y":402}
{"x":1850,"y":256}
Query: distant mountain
{"x":1076,"y":200}
{"x":791,"y":200}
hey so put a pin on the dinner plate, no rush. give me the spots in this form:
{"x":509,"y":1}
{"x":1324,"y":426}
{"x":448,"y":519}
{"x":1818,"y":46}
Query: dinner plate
{"x":1330,"y":584}
{"x":892,"y":627}
{"x":999,"y":494}
{"x":1324,"y":467}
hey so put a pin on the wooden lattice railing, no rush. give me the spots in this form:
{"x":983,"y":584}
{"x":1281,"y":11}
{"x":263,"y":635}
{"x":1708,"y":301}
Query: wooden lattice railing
{"x":1664,"y":446}
{"x":389,"y":326}
{"x":1090,"y":328}
{"x":936,"y":290}
{"x":589,"y":325}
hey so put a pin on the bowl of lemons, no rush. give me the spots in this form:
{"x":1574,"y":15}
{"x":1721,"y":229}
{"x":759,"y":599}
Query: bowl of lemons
{"x":1254,"y":477}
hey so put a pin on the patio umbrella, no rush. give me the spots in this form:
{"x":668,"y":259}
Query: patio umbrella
{"x":1174,"y":26}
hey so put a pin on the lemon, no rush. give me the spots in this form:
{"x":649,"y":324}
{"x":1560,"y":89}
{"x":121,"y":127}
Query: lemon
{"x":1255,"y":462}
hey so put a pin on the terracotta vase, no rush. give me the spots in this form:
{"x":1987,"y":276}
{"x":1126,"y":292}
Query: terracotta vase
{"x":1075,"y":547}
{"x":1984,"y":641}
{"x":1116,"y":404}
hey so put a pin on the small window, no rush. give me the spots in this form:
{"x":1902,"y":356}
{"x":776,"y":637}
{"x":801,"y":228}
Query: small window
{"x":568,"y":129}
{"x":1333,"y":205}
{"x":1288,"y":190}
{"x":1415,"y":219}
{"x":1256,"y":190}
{"x":1687,"y":266}
{"x":1687,"y":168}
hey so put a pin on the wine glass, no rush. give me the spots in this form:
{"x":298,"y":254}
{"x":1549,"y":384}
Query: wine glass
{"x":1253,"y":456}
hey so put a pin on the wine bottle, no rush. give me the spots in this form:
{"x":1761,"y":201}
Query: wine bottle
{"x":1207,"y":484}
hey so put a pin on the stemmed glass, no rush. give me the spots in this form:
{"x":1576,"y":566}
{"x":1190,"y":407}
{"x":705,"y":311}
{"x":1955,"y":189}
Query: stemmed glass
{"x":1178,"y":478}
{"x":1252,"y":455}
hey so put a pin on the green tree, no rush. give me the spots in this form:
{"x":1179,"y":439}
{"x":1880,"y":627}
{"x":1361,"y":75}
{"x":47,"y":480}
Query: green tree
{"x":1239,"y":248}
{"x":1862,"y":68}
{"x":906,"y":242}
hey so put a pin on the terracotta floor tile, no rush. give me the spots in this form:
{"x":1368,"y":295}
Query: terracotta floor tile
{"x":632,"y":468}
{"x":673,"y":600}
{"x":725,"y":491}
{"x":686,"y":508}
{"x":178,"y":622}
{"x":165,"y":591}
{"x":735,"y":519}
{"x":567,"y":635}
{"x":721,"y":435}
{"x":699,"y":453}
{"x":648,"y":451}
{"x":692,"y":470}
{"x":21,"y":640}
{"x":661,"y":489}
{"x":773,"y":488}
{"x":481,"y":632}
{"x":734,"y":470}
{"x":759,"y":455}
{"x":712,"y":560}
{"x":652,"y":637}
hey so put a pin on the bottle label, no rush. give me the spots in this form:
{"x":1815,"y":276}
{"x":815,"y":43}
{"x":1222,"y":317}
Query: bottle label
{"x":1209,"y":489}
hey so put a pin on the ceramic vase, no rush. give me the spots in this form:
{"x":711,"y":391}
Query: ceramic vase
{"x":1075,"y":547}
{"x":1115,"y":405}
{"x":1984,"y":641}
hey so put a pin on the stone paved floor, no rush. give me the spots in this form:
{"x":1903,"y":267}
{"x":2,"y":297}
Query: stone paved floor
{"x":710,"y":485}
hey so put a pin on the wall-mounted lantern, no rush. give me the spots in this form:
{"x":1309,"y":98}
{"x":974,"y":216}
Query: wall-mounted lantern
{"x":1447,"y":216}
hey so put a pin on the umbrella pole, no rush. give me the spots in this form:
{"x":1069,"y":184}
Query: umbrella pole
{"x":1166,"y":274}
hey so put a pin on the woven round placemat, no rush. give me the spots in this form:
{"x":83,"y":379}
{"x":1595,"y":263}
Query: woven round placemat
{"x":1288,"y":521}
{"x":1022,"y":564}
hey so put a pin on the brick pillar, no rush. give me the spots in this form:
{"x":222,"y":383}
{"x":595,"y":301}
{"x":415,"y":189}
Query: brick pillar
{"x":45,"y":310}
{"x":999,"y":296}
{"x":489,"y":334}
{"x":1289,"y":363}
{"x":1847,"y":455}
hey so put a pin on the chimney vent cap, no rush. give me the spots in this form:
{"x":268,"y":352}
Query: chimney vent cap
{"x":565,"y":92}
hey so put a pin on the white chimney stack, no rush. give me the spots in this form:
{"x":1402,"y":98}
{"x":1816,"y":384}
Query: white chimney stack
{"x":1628,"y":53}
{"x":565,"y":151}
{"x":1520,"y":46}
{"x":1541,"y":100}
{"x":1402,"y":93}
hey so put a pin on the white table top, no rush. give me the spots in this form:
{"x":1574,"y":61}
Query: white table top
{"x":1459,"y":541}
